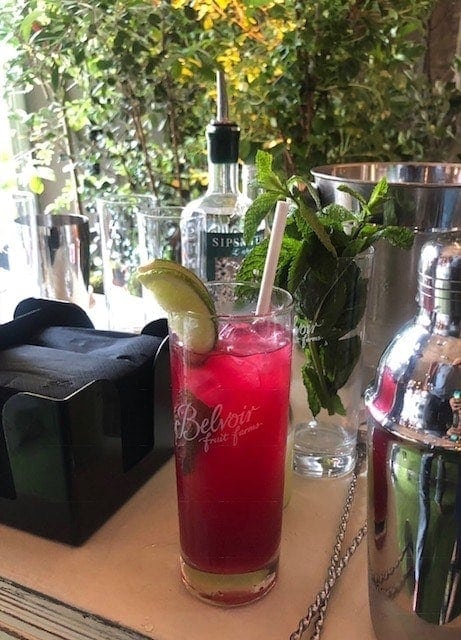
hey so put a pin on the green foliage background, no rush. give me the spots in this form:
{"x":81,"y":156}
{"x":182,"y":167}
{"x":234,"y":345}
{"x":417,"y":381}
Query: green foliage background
{"x":129,"y":85}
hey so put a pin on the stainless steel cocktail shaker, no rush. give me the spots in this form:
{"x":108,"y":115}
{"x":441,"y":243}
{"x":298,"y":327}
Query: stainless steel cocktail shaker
{"x":414,"y":510}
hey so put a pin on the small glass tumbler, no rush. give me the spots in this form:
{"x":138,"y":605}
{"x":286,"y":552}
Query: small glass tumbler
{"x":159,"y":237}
{"x":19,"y":263}
{"x":329,"y":354}
{"x":231,"y":410}
{"x":118,"y":223}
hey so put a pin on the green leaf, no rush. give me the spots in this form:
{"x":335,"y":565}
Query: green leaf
{"x":300,"y":188}
{"x":297,"y":269}
{"x":401,"y":237}
{"x":263,"y":161}
{"x":255,"y":3}
{"x":55,"y":78}
{"x":354,"y":193}
{"x":256,"y":212}
{"x":378,"y":194}
{"x":375,"y":201}
{"x":302,"y":225}
{"x":332,"y":304}
{"x":103,"y":65}
{"x":267,"y":178}
{"x":120,"y":39}
{"x":320,"y":301}
{"x":313,"y":221}
{"x":313,"y":193}
{"x":340,"y":358}
{"x":313,"y":388}
{"x":353,"y":309}
{"x":289,"y":248}
{"x":252,"y":266}
{"x":389,"y":216}
{"x":338,"y":214}
{"x":318,"y":397}
{"x":27,"y":23}
{"x":80,"y":55}
{"x":36,"y":185}
{"x":358,"y":245}
{"x":336,"y":406}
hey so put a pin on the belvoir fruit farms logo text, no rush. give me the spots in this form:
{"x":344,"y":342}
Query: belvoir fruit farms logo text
{"x":196,"y":422}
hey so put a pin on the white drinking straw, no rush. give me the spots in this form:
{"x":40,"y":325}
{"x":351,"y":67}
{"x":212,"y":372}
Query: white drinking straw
{"x":273,"y":252}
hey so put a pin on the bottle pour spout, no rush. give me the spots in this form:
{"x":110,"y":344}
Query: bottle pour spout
{"x":222,"y":111}
{"x":223,"y":136}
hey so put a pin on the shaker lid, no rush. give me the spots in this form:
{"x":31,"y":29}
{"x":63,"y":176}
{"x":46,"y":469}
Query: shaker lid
{"x":418,"y":382}
{"x":439,"y":274}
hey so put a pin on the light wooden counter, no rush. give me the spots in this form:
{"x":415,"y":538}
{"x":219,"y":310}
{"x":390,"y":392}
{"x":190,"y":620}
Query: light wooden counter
{"x":123,"y":583}
{"x":127,"y":572}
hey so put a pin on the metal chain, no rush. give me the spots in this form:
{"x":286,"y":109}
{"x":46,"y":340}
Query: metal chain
{"x":379,"y":579}
{"x":317,"y":610}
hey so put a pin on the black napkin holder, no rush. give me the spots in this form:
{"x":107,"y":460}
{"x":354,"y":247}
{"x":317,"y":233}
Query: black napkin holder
{"x":85,"y":418}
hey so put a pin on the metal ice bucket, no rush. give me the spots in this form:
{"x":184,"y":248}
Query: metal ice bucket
{"x":427,"y":198}
{"x":62,"y":245}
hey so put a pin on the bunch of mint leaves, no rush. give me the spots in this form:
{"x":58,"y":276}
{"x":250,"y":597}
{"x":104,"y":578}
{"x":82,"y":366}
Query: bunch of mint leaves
{"x":317,"y":266}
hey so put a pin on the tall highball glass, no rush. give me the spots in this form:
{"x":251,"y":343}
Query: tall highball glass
{"x":230,"y":418}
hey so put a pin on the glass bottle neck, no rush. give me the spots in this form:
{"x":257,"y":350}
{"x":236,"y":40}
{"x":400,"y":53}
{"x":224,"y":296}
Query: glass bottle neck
{"x":223,"y":178}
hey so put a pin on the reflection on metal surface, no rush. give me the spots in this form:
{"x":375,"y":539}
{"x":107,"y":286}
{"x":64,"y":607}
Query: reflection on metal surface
{"x":414,"y":538}
{"x":415,"y":463}
{"x":429,"y":174}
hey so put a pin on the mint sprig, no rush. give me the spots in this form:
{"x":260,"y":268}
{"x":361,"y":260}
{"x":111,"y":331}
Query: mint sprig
{"x":316,"y":265}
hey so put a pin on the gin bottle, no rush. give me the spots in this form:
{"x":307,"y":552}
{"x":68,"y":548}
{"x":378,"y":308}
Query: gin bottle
{"x":212,"y":226}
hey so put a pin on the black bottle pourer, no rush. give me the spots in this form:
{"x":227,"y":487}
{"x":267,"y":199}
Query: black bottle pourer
{"x":223,"y":135}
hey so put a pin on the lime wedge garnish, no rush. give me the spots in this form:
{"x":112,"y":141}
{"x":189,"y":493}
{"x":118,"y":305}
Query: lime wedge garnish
{"x":178,"y":290}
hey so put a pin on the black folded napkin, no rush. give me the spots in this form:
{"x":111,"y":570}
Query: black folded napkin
{"x":85,"y":417}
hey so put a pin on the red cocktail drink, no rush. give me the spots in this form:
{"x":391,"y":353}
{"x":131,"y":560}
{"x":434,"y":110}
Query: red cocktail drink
{"x":231,"y":413}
